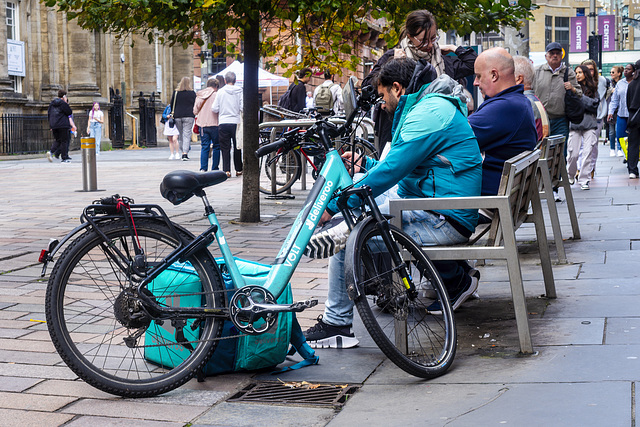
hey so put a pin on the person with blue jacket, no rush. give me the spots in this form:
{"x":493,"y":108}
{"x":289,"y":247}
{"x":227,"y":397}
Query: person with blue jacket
{"x":504,"y":123}
{"x":433,"y":153}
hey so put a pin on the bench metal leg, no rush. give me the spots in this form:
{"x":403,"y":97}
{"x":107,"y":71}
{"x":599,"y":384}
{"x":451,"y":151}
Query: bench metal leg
{"x":543,"y":246}
{"x":570,"y":205}
{"x":543,"y":166}
{"x":516,"y":283}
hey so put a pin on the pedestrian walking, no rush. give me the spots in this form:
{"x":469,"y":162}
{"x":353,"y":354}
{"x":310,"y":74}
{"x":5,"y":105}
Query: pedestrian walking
{"x":207,"y":120}
{"x":94,"y":127}
{"x":184,"y":98}
{"x":59,"y":114}
{"x":228,"y":105}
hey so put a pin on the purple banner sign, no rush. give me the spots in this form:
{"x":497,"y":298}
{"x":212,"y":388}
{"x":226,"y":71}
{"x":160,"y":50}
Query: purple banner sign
{"x":607,"y":28}
{"x":579,"y":34}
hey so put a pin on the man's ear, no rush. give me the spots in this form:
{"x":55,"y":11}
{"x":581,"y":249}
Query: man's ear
{"x":398,"y":88}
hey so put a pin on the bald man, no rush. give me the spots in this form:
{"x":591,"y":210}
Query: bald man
{"x":504,"y":123}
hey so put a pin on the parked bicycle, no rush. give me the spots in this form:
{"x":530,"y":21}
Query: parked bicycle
{"x":281,"y":169}
{"x":102,"y":305}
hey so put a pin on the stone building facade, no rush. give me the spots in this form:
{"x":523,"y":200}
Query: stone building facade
{"x":42,"y":52}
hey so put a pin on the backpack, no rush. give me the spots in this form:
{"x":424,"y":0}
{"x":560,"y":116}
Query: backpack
{"x":324,"y":99}
{"x":573,"y":106}
{"x":285,"y":100}
{"x":243,"y":353}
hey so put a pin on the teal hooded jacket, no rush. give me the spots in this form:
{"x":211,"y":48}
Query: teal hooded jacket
{"x":434,"y":153}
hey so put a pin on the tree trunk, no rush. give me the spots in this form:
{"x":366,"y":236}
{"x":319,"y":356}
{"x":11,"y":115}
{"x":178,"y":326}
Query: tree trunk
{"x":250,"y":206}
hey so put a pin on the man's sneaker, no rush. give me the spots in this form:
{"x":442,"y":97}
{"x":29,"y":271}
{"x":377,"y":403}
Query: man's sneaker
{"x":49,"y":156}
{"x":620,"y":153}
{"x":67,"y":160}
{"x":457,"y":300}
{"x":185,"y":157}
{"x":585,"y":186}
{"x":329,"y":242}
{"x":572,"y":181}
{"x":612,"y":153}
{"x":474,"y":273}
{"x":632,"y":176}
{"x":323,"y":335}
{"x":556,"y":196}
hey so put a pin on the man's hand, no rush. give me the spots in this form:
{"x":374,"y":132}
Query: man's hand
{"x":326,"y":216}
{"x":569,"y":86}
{"x":399,"y":54}
{"x":349,"y":160}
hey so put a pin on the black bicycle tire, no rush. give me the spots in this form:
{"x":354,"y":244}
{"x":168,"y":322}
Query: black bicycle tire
{"x":443,"y":357}
{"x":284,"y":185}
{"x":79,"y":363}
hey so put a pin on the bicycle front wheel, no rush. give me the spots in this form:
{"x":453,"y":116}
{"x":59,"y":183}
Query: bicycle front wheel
{"x":104,"y":332}
{"x":278,"y":172}
{"x":417,"y":341}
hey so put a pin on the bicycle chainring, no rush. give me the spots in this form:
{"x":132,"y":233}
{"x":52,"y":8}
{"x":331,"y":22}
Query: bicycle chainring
{"x":248,"y":317}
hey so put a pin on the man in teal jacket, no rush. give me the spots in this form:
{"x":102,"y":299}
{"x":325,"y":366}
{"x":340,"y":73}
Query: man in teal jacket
{"x":433,"y":153}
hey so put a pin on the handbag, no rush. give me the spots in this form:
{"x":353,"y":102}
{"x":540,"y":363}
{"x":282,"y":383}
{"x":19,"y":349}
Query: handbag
{"x":573,"y":107}
{"x":172,"y":122}
{"x":196,"y":129}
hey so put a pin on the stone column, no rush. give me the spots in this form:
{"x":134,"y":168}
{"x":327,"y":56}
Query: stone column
{"x":83,"y":63}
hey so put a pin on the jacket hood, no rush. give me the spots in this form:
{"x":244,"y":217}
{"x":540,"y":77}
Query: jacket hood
{"x":56,"y":102}
{"x":205,"y":93}
{"x":452,"y":90}
{"x":423,"y":73}
{"x":232,"y":89}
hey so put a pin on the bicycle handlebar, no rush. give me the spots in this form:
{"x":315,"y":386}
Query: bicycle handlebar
{"x":276,"y":145}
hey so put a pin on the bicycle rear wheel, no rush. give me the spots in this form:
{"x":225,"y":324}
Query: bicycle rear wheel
{"x":418,"y":342}
{"x":286,"y":169}
{"x":101,"y":328}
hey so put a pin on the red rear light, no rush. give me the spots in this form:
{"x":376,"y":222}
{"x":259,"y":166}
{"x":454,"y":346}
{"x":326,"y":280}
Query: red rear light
{"x":43,"y":255}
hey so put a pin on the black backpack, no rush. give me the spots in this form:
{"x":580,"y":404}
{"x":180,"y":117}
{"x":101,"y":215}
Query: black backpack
{"x":573,"y":107}
{"x":285,"y":100}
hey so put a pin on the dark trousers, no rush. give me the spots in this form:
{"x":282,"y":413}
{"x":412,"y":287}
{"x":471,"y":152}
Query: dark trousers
{"x":209,"y":142}
{"x":60,"y":146}
{"x":454,"y":275}
{"x":560,"y":126}
{"x":227,"y":134}
{"x":633,"y":148}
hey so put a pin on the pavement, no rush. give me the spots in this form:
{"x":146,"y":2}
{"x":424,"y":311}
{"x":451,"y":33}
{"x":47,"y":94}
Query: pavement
{"x":587,"y":341}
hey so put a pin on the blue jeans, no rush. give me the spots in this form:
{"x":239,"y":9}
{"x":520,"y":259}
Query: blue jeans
{"x":95,"y":131}
{"x":614,"y":144}
{"x":621,"y":128}
{"x":209,"y":141}
{"x":426,"y":229}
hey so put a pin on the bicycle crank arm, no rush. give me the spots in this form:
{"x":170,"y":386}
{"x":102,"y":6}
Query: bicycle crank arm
{"x":296,"y":307}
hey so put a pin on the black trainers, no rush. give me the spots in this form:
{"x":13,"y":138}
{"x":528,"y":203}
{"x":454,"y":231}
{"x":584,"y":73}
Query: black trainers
{"x":459,"y":298}
{"x":323,"y":335}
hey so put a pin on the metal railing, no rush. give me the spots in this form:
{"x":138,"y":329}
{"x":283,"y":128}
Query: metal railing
{"x":22,"y":134}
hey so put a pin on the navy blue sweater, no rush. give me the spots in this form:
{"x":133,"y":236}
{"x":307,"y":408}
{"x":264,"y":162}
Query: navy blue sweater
{"x":504,"y":126}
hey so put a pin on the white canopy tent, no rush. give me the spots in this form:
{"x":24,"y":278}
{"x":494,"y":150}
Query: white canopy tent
{"x":265,"y":78}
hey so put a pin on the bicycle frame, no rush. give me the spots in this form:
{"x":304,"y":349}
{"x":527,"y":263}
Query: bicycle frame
{"x":333,"y":177}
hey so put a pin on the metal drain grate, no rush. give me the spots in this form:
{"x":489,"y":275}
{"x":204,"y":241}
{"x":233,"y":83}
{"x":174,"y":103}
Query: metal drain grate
{"x":295,"y":393}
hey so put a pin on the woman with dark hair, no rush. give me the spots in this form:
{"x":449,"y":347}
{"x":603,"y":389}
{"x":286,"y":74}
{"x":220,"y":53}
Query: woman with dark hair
{"x":585,"y":133}
{"x":183,"y":99}
{"x":633,"y":125}
{"x":419,"y":41}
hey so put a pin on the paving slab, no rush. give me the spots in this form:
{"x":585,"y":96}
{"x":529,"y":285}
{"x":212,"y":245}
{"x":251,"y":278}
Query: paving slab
{"x":33,"y":402}
{"x":17,"y":417}
{"x":90,"y":421}
{"x":555,"y":404}
{"x":135,"y":410}
{"x":244,"y":414}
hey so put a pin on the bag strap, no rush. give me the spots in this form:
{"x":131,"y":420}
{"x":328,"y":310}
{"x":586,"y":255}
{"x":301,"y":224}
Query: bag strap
{"x":299,"y":345}
{"x":566,"y":74}
{"x":175,"y":97}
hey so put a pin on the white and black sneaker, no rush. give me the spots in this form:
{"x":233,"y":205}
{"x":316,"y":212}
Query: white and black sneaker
{"x":323,"y":335}
{"x":329,"y":242}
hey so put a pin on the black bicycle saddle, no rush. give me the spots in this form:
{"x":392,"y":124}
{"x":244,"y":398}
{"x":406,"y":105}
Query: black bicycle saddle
{"x":180,"y":186}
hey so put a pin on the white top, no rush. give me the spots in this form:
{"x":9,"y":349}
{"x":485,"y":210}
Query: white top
{"x":336,"y":91}
{"x":228,"y":104}
{"x":96,"y":116}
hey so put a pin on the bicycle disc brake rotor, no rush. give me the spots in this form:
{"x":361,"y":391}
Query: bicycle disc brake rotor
{"x":246,"y":315}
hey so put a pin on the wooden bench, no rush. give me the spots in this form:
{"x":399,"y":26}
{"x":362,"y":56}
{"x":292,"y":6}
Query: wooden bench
{"x":554,"y":159}
{"x":518,"y":191}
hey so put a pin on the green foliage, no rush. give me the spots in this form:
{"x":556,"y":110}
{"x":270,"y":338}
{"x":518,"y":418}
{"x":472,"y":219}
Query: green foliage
{"x":324,"y":29}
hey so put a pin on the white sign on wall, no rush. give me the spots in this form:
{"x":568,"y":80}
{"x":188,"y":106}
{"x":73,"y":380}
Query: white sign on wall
{"x":15,"y":58}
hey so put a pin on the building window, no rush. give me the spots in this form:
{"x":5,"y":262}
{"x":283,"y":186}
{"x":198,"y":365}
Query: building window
{"x":636,"y":33}
{"x":13,"y":33}
{"x":562,"y":30}
{"x":580,"y":11}
{"x":548,"y":29}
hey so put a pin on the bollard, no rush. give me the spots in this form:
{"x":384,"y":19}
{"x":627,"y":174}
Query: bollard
{"x":89,"y":173}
